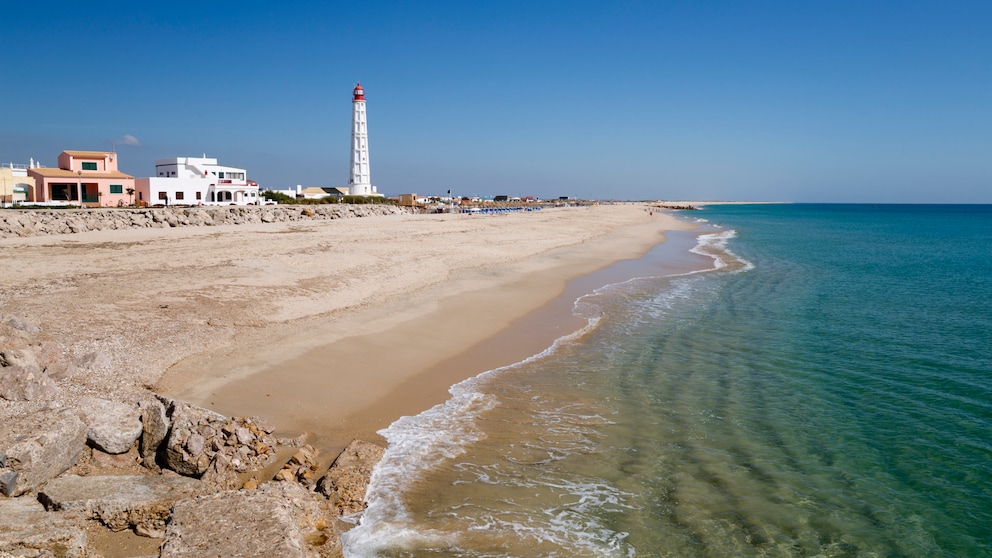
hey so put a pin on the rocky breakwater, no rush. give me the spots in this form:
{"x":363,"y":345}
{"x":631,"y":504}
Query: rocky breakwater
{"x":21,"y":222}
{"x":189,"y":479}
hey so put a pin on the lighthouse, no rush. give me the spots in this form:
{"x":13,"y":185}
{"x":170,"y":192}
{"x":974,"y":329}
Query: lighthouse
{"x":360,"y":182}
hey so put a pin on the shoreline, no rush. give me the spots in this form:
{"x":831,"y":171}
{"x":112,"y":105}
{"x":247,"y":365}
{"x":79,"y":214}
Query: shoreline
{"x":363,"y":370}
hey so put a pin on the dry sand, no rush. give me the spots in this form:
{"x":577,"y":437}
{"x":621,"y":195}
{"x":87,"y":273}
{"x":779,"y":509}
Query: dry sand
{"x":332,"y":327}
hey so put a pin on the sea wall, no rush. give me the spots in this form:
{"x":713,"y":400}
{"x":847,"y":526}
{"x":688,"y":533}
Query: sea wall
{"x":31,"y":222}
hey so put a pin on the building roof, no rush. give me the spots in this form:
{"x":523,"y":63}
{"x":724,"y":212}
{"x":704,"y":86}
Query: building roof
{"x":96,"y":154}
{"x":62,"y":173}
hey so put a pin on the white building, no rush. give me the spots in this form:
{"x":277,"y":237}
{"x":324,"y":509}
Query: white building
{"x":360,"y":182}
{"x":196,"y":181}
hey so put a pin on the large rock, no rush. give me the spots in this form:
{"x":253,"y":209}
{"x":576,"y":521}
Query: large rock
{"x":186,"y":451}
{"x":139,"y":502}
{"x":112,"y":427}
{"x":278,"y":519}
{"x":38,"y":446}
{"x":25,"y":383}
{"x":155,"y":427}
{"x":198,"y":436}
{"x":348,"y":478}
{"x":26,"y":529}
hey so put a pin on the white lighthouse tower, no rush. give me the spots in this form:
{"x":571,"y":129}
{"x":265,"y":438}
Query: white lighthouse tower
{"x":360,"y":182}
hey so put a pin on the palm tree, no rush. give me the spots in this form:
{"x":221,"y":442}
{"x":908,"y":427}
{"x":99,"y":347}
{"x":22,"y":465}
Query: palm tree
{"x":130,"y":192}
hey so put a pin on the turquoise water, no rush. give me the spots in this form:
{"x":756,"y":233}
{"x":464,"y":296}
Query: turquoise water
{"x":825,"y":391}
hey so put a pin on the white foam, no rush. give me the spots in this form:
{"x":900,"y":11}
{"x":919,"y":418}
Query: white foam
{"x":714,"y":245}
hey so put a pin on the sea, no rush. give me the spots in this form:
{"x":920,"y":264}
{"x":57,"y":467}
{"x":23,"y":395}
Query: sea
{"x":805,"y":380}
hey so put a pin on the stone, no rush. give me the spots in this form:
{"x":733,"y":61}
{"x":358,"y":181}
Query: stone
{"x":121,"y":502}
{"x":36,"y":447}
{"x":186,"y":419}
{"x":93,"y":360}
{"x":112,"y":427}
{"x":154,"y":429}
{"x":23,"y":324}
{"x":25,"y":383}
{"x":277,"y":519}
{"x":221,"y":473}
{"x":348,"y":478}
{"x":26,"y":529}
{"x":23,"y":357}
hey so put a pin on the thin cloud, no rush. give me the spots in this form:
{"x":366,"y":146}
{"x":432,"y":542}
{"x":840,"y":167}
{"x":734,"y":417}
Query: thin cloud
{"x":128,"y":139}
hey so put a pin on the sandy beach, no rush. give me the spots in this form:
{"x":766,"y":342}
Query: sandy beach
{"x":335,"y":328}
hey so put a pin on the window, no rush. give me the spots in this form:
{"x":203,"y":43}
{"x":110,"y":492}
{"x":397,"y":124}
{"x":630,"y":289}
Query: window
{"x":89,"y":166}
{"x":220,"y":174}
{"x":179,"y":195}
{"x":116,"y":188}
{"x":161,"y":196}
{"x":198,"y":195}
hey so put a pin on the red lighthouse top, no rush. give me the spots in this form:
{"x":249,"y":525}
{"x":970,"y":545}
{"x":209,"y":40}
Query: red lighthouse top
{"x":359,"y":93}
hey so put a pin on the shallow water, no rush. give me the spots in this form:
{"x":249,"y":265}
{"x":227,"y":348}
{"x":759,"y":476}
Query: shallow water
{"x":826,"y":391}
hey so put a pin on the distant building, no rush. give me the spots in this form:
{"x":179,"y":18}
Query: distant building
{"x":88,"y":178}
{"x":408,"y":200}
{"x":196,"y":181}
{"x":317,"y":192}
{"x":15,"y":184}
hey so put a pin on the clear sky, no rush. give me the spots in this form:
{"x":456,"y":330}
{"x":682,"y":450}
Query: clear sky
{"x":808,"y":101}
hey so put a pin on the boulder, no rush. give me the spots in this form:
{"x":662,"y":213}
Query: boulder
{"x":25,"y":383}
{"x":278,"y":519}
{"x":26,"y":529}
{"x":348,"y":478}
{"x":185,"y":451}
{"x":198,"y":435}
{"x":154,"y":429}
{"x":138,"y":502}
{"x":38,"y":446}
{"x":112,"y":427}
{"x":23,"y":324}
{"x":93,"y":360}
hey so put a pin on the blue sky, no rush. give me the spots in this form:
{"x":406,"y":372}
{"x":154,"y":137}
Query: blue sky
{"x":749,"y":100}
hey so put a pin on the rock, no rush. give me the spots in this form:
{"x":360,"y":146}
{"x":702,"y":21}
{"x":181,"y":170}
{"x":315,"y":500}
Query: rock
{"x":23,"y":324}
{"x":26,"y":529}
{"x":186,"y":419}
{"x":277,"y":519}
{"x":38,"y":446}
{"x":197,"y":436}
{"x":112,"y":427}
{"x":348,"y":478}
{"x":18,"y":357}
{"x":121,"y":502}
{"x":93,"y":360}
{"x":25,"y":383}
{"x":301,"y":468}
{"x":221,"y":473}
{"x":61,"y":370}
{"x":155,"y":427}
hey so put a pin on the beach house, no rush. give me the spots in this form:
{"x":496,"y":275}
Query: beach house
{"x":196,"y":181}
{"x":87,"y":178}
{"x":15,"y":184}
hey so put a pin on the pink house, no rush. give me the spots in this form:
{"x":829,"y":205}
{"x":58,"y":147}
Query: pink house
{"x":92,"y":173}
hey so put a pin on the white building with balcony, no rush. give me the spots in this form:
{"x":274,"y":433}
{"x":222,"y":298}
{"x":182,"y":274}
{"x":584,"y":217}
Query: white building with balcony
{"x":196,"y":181}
